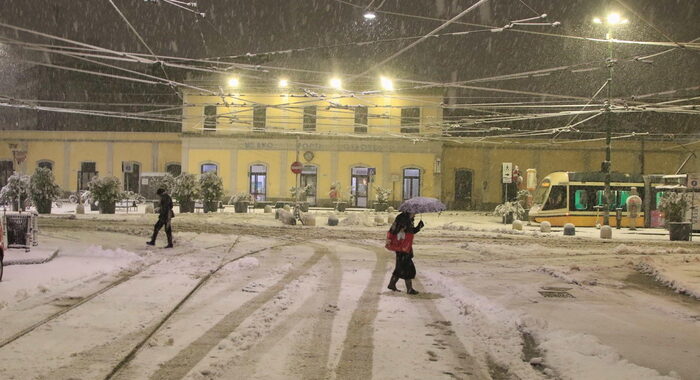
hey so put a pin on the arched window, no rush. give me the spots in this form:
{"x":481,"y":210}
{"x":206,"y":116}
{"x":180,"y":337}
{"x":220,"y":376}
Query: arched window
{"x":359,"y":184}
{"x":258,"y":181}
{"x":411,"y":183}
{"x":209,"y":167}
{"x":45,"y":164}
{"x":173,"y":168}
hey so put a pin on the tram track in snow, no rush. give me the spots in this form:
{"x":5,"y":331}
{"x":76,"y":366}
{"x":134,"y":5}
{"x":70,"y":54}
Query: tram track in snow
{"x":116,"y":370}
{"x":85,"y":299}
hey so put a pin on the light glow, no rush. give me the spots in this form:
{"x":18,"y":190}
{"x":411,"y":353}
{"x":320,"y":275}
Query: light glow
{"x":283,"y":83}
{"x":336,"y":83}
{"x":387,"y":84}
{"x":597,"y":20}
{"x":233,"y":82}
{"x":369,"y":15}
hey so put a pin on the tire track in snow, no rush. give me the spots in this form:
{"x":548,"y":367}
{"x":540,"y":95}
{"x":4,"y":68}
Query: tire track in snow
{"x":468,"y":365}
{"x":311,"y":356}
{"x":358,"y":348}
{"x":178,"y":366}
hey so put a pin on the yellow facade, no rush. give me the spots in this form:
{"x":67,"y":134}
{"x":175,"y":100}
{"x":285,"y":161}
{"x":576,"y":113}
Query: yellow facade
{"x":463,"y":175}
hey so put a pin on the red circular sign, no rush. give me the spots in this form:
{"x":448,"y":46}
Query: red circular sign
{"x":296,"y":167}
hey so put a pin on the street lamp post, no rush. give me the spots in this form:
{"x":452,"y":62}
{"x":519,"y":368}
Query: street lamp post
{"x":611,"y":20}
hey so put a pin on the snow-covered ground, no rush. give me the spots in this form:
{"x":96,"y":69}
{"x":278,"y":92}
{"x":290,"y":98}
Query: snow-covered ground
{"x":311,"y":302}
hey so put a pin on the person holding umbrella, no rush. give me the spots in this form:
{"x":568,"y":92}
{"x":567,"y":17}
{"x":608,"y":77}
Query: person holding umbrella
{"x":404,"y":260}
{"x":403,"y":224}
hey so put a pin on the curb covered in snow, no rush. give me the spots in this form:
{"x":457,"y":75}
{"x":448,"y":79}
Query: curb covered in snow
{"x":659,"y":274}
{"x":33,"y":260}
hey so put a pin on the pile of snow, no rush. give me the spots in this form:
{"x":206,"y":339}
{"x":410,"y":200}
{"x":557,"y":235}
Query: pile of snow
{"x":567,"y":355}
{"x":623,"y":249}
{"x":582,"y":356}
{"x":98,"y":251}
{"x":674,"y":277}
{"x":497,"y":249}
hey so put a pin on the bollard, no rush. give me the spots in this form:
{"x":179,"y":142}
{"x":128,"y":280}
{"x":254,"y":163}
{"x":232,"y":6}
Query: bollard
{"x":287,"y":208}
{"x":389,"y":209}
{"x":517,"y":225}
{"x":308,"y":219}
{"x":149,"y":208}
{"x":569,"y":229}
{"x":618,"y":217}
{"x":79,"y":209}
{"x":277,"y":213}
{"x":606,"y":232}
{"x":268,"y":209}
{"x":379,"y":220}
{"x":545,"y":226}
{"x":332,"y":220}
{"x":390,"y":219}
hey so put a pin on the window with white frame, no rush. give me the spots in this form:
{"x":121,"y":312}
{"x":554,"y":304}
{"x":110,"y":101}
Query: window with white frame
{"x":411,"y":183}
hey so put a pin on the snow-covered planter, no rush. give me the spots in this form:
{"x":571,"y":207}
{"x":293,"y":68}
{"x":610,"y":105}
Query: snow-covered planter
{"x":16,"y":192}
{"x":382,"y":198}
{"x":212,"y":189}
{"x":299,"y":195}
{"x":674,"y":206}
{"x":509,"y":210}
{"x":43,"y":190}
{"x":106,"y":191}
{"x":241,"y":201}
{"x":185,"y":189}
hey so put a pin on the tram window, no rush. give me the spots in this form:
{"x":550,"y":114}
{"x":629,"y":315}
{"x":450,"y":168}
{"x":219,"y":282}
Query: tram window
{"x":556,"y":199}
{"x":600,"y":197}
{"x":622,"y":196}
{"x":659,"y":195}
{"x":581,"y":200}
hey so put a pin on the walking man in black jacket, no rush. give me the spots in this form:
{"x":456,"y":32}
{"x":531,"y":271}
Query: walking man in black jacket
{"x":164,"y":218}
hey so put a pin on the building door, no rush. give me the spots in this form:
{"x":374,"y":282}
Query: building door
{"x":258,"y":181}
{"x":131,"y":179}
{"x":87,"y":171}
{"x":309,"y":176}
{"x":463,"y":189}
{"x":359,"y":184}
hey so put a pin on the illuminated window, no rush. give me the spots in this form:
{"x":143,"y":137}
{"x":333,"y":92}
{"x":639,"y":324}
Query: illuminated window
{"x":209,"y":167}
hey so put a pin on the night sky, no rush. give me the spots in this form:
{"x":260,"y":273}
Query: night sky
{"x":233,"y":28}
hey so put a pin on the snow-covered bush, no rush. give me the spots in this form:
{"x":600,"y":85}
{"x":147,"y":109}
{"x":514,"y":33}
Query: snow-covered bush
{"x":382,"y":194}
{"x":16,"y":191}
{"x":166,"y":182}
{"x":241,"y":197}
{"x":510,"y":207}
{"x":105,"y":189}
{"x":212,"y":187}
{"x":300,"y":192}
{"x":673,"y":205}
{"x":43,"y":189}
{"x":185,"y":188}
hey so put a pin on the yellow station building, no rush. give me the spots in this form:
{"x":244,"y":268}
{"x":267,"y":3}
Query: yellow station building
{"x":358,"y":141}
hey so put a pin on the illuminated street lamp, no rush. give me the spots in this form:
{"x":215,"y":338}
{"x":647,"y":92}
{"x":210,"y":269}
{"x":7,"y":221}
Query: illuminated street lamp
{"x":336,"y":83}
{"x":283,"y":83}
{"x":387,"y":84}
{"x":613,"y":19}
{"x":233,"y":82}
{"x":369,"y":15}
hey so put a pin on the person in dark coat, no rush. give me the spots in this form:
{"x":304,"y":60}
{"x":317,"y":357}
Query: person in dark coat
{"x":404,"y":260}
{"x":165,"y":216}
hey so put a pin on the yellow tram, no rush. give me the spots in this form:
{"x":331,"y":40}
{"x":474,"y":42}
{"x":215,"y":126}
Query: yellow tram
{"x":578,"y":198}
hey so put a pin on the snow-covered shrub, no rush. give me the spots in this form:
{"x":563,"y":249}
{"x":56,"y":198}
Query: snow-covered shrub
{"x":510,"y":207}
{"x":185,"y":188}
{"x":212,"y":187}
{"x":241,"y":197}
{"x":43,"y":189}
{"x":166,"y":182}
{"x":673,"y":205}
{"x":382,"y":194}
{"x":300,"y":192}
{"x":16,"y":191}
{"x":105,"y":189}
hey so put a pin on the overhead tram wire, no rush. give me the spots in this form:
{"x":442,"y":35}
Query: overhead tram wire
{"x":413,"y":44}
{"x":162,"y":68}
{"x":639,"y":16}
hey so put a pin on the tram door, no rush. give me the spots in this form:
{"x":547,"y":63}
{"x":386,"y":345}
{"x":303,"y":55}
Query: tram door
{"x":463,"y":189}
{"x":359,"y":182}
